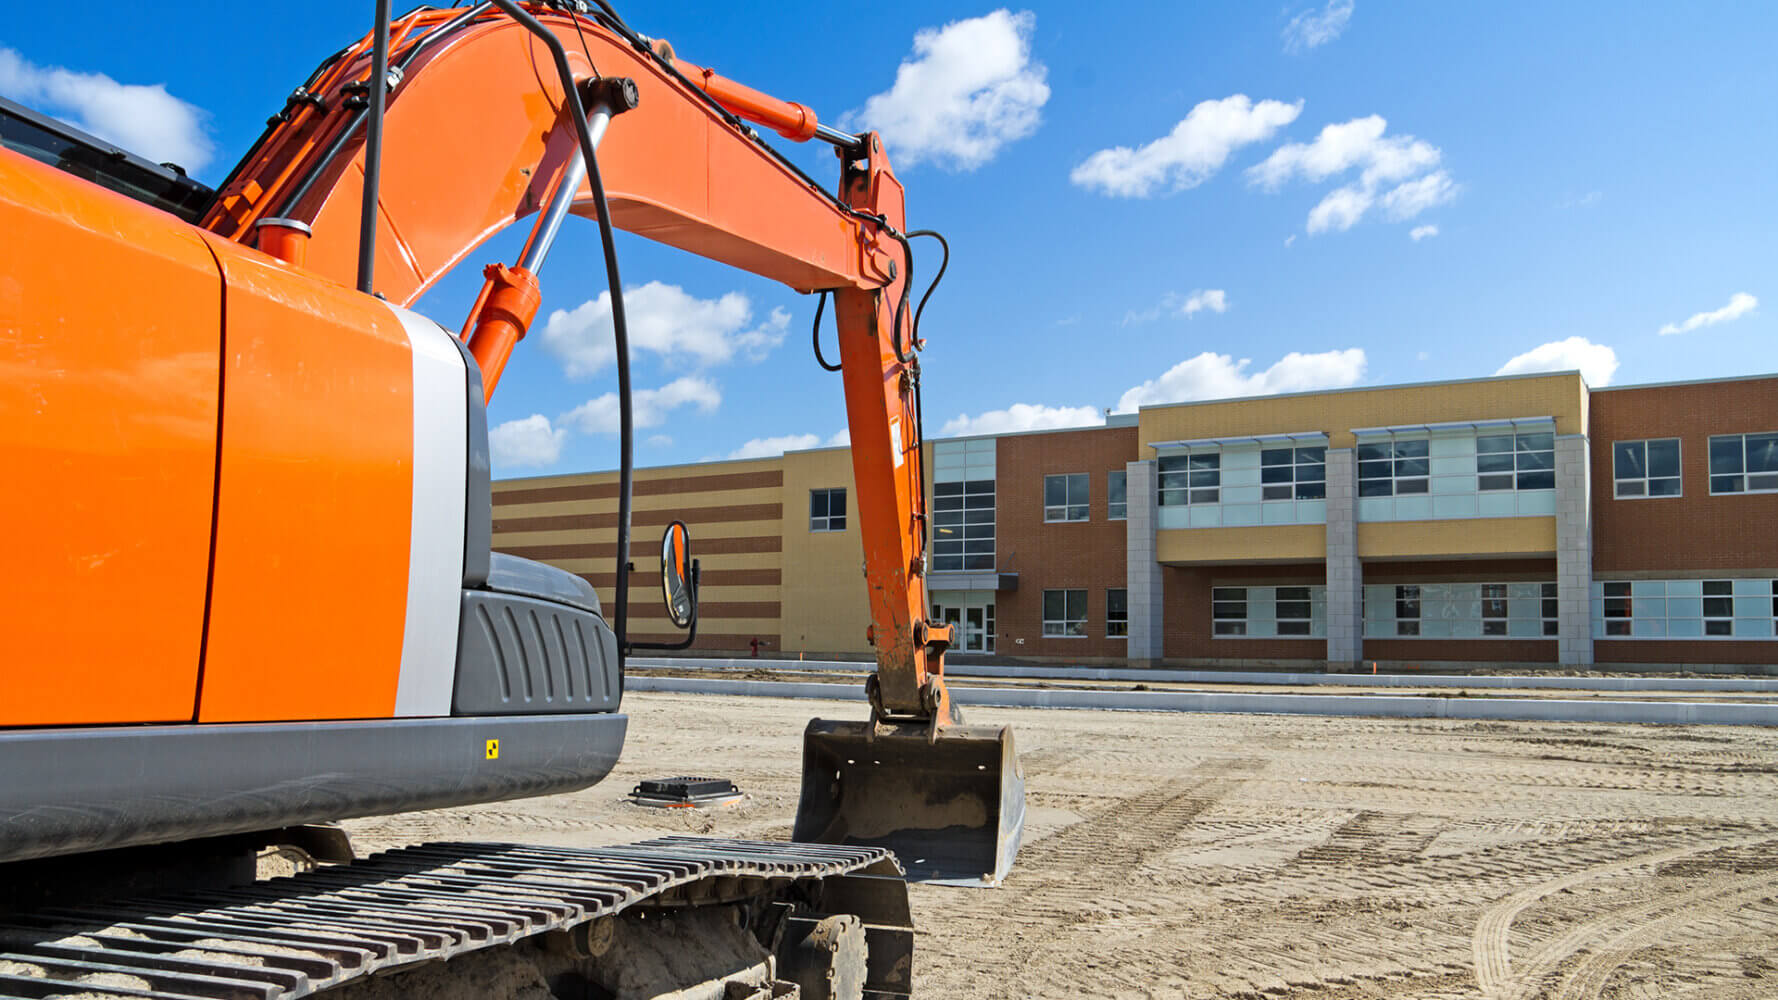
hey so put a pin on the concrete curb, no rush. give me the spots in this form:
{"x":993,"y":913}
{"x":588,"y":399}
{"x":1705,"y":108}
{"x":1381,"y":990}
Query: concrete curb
{"x":1372,"y":706}
{"x":1494,"y":681}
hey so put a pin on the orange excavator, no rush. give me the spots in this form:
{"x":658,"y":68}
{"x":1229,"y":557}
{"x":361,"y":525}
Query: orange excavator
{"x":252,"y":590}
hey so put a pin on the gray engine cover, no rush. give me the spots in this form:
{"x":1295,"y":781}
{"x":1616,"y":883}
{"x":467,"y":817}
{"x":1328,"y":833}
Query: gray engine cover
{"x":518,"y":655}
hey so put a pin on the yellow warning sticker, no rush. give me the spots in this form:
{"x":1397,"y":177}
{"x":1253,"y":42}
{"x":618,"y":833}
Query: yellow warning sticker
{"x":493,"y":749}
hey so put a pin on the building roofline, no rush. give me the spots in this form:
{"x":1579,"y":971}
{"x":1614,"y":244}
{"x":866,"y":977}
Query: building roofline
{"x":1689,"y":381}
{"x":1369,"y":388}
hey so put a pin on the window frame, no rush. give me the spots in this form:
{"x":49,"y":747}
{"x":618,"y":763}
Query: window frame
{"x":1298,"y":487}
{"x":1237,"y":625}
{"x":1197,"y":481}
{"x":1718,"y":608}
{"x":826,"y":525}
{"x":1069,"y":505}
{"x":1396,"y":460}
{"x":1648,"y":481}
{"x":1407,"y":594}
{"x":976,"y":545}
{"x":1123,"y":621}
{"x":1742,"y":474}
{"x":1065,"y":627}
{"x":1117,"y":510}
{"x":1519,"y":470}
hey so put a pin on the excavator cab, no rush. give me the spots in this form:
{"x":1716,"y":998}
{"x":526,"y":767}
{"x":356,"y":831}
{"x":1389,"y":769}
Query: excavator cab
{"x":948,"y":800}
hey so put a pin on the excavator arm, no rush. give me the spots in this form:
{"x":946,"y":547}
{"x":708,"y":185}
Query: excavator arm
{"x":478,"y":132}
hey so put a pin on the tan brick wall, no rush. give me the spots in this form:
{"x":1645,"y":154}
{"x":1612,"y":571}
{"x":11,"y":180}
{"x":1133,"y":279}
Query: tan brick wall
{"x":1085,"y":555}
{"x":1695,"y":532}
{"x":735,"y":511}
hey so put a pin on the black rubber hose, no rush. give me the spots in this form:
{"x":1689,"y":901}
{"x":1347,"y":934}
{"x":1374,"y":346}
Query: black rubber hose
{"x":820,"y":306}
{"x":619,"y":324}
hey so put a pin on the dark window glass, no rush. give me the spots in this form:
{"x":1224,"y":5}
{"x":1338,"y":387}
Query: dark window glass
{"x":1628,"y":459}
{"x":1663,"y":458}
{"x":1725,"y":455}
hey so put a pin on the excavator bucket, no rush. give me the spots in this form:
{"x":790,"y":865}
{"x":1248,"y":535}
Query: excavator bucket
{"x":952,"y":808}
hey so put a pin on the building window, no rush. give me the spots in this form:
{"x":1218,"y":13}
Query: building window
{"x":1117,"y":614}
{"x":1719,"y":607}
{"x":1393,"y":468}
{"x":1268,"y":612}
{"x":1293,"y":473}
{"x":1516,"y":461}
{"x":1228,"y":610}
{"x":1065,"y":612}
{"x":963,"y":526}
{"x":1550,"y":610}
{"x":1407,"y":610}
{"x":1292,"y":608}
{"x":1617,"y":608}
{"x":1189,"y":479}
{"x":1494,"y":613}
{"x":1065,"y":497}
{"x":1744,"y":463}
{"x":827,"y":510}
{"x":1686,"y":609}
{"x":1646,"y":468}
{"x":1117,"y":507}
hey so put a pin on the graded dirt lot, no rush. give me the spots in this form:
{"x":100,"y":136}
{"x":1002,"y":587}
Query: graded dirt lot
{"x":1176,"y":855}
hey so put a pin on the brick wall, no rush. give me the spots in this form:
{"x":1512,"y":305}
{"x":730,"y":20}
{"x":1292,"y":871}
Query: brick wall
{"x":1085,"y":555}
{"x":1695,"y":531}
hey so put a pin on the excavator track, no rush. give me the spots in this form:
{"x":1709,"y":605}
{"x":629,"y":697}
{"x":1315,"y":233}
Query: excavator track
{"x":299,"y":935}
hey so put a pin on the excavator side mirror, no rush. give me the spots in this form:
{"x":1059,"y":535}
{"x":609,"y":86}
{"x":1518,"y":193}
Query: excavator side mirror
{"x":679,"y":575}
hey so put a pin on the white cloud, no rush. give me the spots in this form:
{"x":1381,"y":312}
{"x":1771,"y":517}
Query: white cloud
{"x":1595,"y":362}
{"x":1190,"y":154}
{"x":1402,"y":164}
{"x":1416,"y":196}
{"x":659,"y":441}
{"x":1220,"y":376}
{"x":1288,"y":240}
{"x":649,"y":407}
{"x":529,"y":442}
{"x":665,"y":320}
{"x":146,"y":120}
{"x":1419,"y":233}
{"x":1213,"y":299}
{"x":1340,"y":209}
{"x":969,"y":88}
{"x":1022,"y":417}
{"x":768,"y":446}
{"x":1313,"y":28}
{"x":1740,"y":304}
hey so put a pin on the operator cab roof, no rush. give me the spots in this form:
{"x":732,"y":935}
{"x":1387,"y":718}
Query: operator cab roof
{"x":47,"y":140}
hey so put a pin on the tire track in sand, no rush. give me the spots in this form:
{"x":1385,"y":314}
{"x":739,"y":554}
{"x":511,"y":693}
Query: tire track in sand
{"x":1493,"y":963}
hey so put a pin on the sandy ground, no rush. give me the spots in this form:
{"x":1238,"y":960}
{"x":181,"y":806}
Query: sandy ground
{"x":1177,"y":855}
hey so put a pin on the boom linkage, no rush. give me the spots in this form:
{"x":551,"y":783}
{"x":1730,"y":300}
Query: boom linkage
{"x":459,"y":165}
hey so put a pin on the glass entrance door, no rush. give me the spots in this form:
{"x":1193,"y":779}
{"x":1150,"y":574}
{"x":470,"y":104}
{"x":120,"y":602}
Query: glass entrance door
{"x":974,"y":624}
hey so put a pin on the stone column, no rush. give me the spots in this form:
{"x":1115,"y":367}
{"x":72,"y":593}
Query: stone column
{"x":1142,"y":571}
{"x":1574,"y":551}
{"x":1345,"y":575}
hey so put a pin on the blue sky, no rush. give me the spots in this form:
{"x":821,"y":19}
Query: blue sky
{"x":1146,"y":203}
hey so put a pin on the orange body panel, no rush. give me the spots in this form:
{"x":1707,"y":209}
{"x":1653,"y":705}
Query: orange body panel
{"x":110,"y":332}
{"x":312,"y":535}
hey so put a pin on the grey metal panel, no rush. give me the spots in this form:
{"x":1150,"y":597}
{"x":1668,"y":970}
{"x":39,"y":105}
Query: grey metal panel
{"x":526,"y":655}
{"x":64,"y":791}
{"x":527,"y":578}
{"x":478,"y":506}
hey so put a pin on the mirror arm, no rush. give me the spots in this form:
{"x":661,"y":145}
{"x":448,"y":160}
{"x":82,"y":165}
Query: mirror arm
{"x":691,"y":634}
